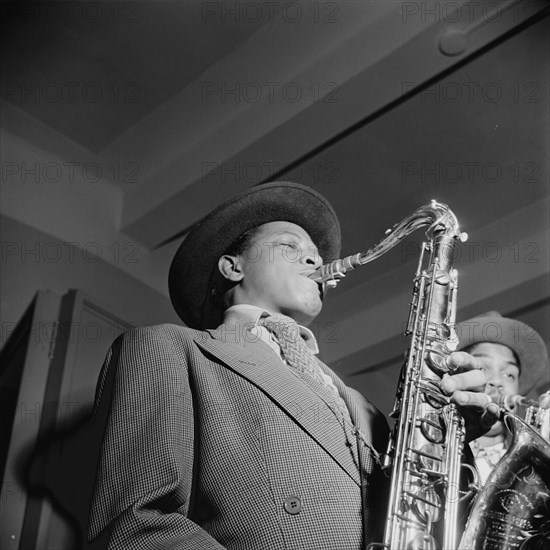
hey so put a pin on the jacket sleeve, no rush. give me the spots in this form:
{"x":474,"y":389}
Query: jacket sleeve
{"x":144,"y":411}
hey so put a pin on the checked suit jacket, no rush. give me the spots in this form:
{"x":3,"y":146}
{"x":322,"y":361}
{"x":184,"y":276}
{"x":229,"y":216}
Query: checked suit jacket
{"x":209,"y":441}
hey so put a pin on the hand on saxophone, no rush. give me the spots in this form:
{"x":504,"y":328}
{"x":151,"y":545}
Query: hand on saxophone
{"x":466,"y":388}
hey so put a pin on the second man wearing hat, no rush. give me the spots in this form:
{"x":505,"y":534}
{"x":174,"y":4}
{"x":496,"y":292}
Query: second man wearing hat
{"x":514,"y":358}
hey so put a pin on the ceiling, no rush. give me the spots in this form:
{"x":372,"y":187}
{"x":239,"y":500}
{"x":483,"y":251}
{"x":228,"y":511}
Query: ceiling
{"x":113,"y":62}
{"x":381,"y":106}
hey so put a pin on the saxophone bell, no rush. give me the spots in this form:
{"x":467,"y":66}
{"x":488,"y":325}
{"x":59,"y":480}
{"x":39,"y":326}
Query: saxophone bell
{"x":512,"y":509}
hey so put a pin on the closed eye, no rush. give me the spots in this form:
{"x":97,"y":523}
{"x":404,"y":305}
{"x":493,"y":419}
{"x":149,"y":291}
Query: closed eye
{"x":294,"y":246}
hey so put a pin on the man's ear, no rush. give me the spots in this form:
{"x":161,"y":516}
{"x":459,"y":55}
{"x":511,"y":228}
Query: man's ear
{"x":230,"y":268}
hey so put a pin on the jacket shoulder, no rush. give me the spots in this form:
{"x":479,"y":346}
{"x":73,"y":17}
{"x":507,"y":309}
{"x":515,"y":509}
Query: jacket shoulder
{"x":164,"y":331}
{"x":158,"y":341}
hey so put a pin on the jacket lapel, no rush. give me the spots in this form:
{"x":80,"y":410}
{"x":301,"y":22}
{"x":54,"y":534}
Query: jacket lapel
{"x":357,"y":413}
{"x":257,"y":362}
{"x":362,"y":417}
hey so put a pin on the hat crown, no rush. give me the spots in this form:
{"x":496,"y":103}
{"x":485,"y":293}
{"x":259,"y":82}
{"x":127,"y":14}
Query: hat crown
{"x":525,"y":341}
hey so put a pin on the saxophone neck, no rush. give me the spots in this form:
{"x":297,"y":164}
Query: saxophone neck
{"x":442,"y":228}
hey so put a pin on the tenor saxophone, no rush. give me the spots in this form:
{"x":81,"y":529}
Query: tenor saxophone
{"x":427,"y":440}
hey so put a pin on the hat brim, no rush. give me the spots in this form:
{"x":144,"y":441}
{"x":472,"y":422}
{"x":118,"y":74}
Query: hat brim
{"x":523,"y":339}
{"x":197,"y":257}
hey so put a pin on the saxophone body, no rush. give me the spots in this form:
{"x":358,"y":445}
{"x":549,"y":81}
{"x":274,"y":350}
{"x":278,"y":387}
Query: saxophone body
{"x":512,"y":509}
{"x":426,"y":444}
{"x":424,"y":455}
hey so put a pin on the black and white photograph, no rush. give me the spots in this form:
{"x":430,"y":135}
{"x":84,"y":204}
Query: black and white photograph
{"x":275,"y":274}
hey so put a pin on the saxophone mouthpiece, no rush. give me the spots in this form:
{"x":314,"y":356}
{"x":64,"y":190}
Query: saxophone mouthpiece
{"x":316,"y":275}
{"x":326,"y":276}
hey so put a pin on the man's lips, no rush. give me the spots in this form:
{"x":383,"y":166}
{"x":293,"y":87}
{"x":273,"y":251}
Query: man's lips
{"x":307,"y":274}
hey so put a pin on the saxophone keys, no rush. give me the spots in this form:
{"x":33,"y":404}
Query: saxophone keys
{"x":433,"y":428}
{"x":442,"y":278}
{"x":424,"y":541}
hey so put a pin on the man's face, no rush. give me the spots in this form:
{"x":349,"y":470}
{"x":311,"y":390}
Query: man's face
{"x":501,"y":370}
{"x":275,"y":268}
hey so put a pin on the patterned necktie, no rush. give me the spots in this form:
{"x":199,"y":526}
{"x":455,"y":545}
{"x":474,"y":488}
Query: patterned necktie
{"x":294,"y":349}
{"x":300,"y":358}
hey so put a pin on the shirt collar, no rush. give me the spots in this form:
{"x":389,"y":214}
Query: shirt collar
{"x":249,"y":314}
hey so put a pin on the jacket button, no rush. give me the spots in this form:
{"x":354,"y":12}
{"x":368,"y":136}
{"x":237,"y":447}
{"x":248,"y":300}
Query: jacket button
{"x":292,"y":505}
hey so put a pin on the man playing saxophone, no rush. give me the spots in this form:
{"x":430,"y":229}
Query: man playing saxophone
{"x":230,"y":433}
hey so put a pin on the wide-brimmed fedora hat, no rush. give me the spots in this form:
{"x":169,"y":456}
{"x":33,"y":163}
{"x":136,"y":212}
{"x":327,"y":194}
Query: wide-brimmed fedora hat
{"x":193,"y":268}
{"x":524,"y":340}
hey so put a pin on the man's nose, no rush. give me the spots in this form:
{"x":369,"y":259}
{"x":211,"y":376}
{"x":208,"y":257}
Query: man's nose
{"x":312,"y":257}
{"x":495,"y":382}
